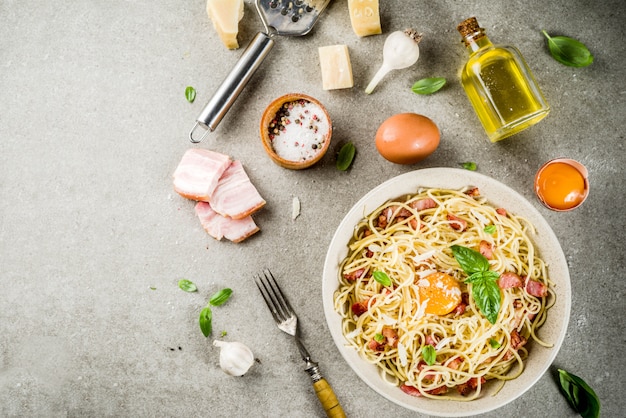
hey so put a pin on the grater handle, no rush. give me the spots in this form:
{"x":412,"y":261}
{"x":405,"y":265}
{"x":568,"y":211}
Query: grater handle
{"x":233,"y":84}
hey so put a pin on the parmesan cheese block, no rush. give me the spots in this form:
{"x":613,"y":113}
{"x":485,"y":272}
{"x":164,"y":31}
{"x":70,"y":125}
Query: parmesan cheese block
{"x":364,"y":17}
{"x":225,"y":15}
{"x":336,"y":67}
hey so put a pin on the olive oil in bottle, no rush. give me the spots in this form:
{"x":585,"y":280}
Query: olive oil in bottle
{"x":499,"y":85}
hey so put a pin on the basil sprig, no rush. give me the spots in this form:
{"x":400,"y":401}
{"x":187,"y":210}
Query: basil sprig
{"x":428,"y":85}
{"x":578,"y":393}
{"x":345,"y":156}
{"x":485,"y":289}
{"x":568,"y":51}
{"x":206,"y":315}
{"x":382,"y":278}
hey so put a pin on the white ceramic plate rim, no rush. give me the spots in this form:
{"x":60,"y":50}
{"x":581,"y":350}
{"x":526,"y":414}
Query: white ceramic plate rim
{"x":499,"y":195}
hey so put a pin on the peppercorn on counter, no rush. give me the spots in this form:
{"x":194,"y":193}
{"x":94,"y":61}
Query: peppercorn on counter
{"x":117,"y":300}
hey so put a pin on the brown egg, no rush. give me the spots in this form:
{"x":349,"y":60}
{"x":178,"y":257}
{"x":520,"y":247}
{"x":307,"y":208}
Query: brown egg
{"x":407,"y":138}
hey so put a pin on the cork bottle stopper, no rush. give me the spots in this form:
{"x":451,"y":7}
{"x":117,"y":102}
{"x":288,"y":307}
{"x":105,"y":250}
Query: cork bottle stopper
{"x":470,"y":29}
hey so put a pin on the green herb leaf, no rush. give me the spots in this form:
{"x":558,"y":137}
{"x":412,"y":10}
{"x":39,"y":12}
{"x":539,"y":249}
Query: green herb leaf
{"x":190,"y":94}
{"x":579,"y":394}
{"x":206,"y":318}
{"x":469,"y":166}
{"x":569,"y":51}
{"x":490,"y":229}
{"x":382,"y":278}
{"x":429,"y":354}
{"x":482,"y":276}
{"x":471,"y":261}
{"x":494,"y":343}
{"x":486,"y":294}
{"x":379,"y":338}
{"x":428,"y":85}
{"x":345,"y":156}
{"x":220,"y":297}
{"x":223,"y":334}
{"x":187,"y":285}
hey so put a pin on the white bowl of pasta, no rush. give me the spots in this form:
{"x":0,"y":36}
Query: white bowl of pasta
{"x":446,"y":292}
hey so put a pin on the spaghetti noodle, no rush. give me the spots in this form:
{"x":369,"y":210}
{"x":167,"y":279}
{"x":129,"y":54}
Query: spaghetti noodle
{"x":406,"y":307}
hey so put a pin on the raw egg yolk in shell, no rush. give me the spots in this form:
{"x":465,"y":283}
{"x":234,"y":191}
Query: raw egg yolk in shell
{"x":442,"y":292}
{"x":407,"y":138}
{"x":560,"y":186}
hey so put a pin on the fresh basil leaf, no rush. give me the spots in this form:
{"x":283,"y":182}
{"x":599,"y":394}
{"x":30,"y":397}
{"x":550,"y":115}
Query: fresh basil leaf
{"x":569,"y":51}
{"x":382,"y":278}
{"x":579,"y":394}
{"x":380,"y":338}
{"x":220,"y":297}
{"x":471,"y":261}
{"x":190,"y":94}
{"x":494,"y":343}
{"x":490,"y":229}
{"x":345,"y":156}
{"x":206,"y":318}
{"x":482,"y":276}
{"x":469,"y":166}
{"x":428,"y":85}
{"x":187,"y":285}
{"x":486,"y":294}
{"x":429,"y":354}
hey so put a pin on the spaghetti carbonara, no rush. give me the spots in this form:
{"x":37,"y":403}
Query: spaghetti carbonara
{"x":434,"y":320}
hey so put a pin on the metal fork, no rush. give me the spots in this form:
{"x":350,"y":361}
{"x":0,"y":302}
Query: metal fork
{"x":287,"y":321}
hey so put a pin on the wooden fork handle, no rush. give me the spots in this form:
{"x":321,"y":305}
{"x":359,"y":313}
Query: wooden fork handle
{"x":327,"y":397}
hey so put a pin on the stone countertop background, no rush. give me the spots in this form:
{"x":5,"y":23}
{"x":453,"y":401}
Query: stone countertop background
{"x":93,"y":239}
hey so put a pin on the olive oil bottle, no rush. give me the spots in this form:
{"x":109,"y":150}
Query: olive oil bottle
{"x":499,"y":85}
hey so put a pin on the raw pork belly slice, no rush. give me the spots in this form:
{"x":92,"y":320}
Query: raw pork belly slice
{"x":235,"y":196}
{"x":198,"y":173}
{"x":219,"y":226}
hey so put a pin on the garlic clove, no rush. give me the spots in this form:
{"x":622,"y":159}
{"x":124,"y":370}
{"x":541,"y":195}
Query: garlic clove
{"x":235,"y":358}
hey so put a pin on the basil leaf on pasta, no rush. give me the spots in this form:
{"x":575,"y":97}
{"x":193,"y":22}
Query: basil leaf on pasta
{"x":382,"y":278}
{"x":471,"y":261}
{"x":486,"y":294}
{"x":429,"y":354}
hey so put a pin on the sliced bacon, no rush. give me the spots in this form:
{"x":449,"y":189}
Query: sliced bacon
{"x":470,"y":386}
{"x":421,"y":365}
{"x":198,"y":173}
{"x":359,"y":308}
{"x":235,"y":196}
{"x":430,"y":340}
{"x":391,"y":335}
{"x":535,"y":288}
{"x":423,"y":204}
{"x":356,"y":274}
{"x":218,"y":226}
{"x":457,"y":223}
{"x":517,"y":340}
{"x":508,"y":280}
{"x":413,"y":391}
{"x":375,"y":345}
{"x":455,"y":363}
{"x":501,"y":211}
{"x":473,"y":192}
{"x":462,"y":306}
{"x":486,"y":249}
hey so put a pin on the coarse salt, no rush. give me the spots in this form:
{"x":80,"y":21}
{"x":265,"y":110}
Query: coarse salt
{"x":302,"y":131}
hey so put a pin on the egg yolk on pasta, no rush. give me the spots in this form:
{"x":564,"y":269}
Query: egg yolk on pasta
{"x":442,"y":292}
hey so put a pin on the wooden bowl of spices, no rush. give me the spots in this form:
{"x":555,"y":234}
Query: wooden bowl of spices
{"x":296,"y":131}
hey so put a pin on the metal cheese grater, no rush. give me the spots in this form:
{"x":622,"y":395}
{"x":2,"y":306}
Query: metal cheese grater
{"x":279,"y":17}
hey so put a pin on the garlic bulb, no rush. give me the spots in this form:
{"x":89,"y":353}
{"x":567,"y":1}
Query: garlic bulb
{"x":401,"y":50}
{"x":235,"y":358}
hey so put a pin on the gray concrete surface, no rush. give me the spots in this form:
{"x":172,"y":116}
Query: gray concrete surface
{"x":93,"y":239}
